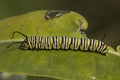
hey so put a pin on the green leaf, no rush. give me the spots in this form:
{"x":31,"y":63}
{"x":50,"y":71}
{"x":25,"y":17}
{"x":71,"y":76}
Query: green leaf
{"x":58,"y":64}
{"x":118,"y":48}
{"x":39,"y":78}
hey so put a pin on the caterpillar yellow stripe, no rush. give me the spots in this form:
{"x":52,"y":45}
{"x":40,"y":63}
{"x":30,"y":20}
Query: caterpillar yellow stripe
{"x":61,"y":42}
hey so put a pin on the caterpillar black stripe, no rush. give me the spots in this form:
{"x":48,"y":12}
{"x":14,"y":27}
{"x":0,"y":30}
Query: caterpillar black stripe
{"x":61,"y":42}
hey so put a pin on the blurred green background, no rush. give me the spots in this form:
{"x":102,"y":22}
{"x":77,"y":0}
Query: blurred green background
{"x":103,"y":15}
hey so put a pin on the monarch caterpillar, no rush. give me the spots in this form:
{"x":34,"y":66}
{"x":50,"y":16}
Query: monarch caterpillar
{"x":61,"y":42}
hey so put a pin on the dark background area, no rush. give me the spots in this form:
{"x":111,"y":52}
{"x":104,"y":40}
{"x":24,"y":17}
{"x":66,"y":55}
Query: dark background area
{"x":103,"y":16}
